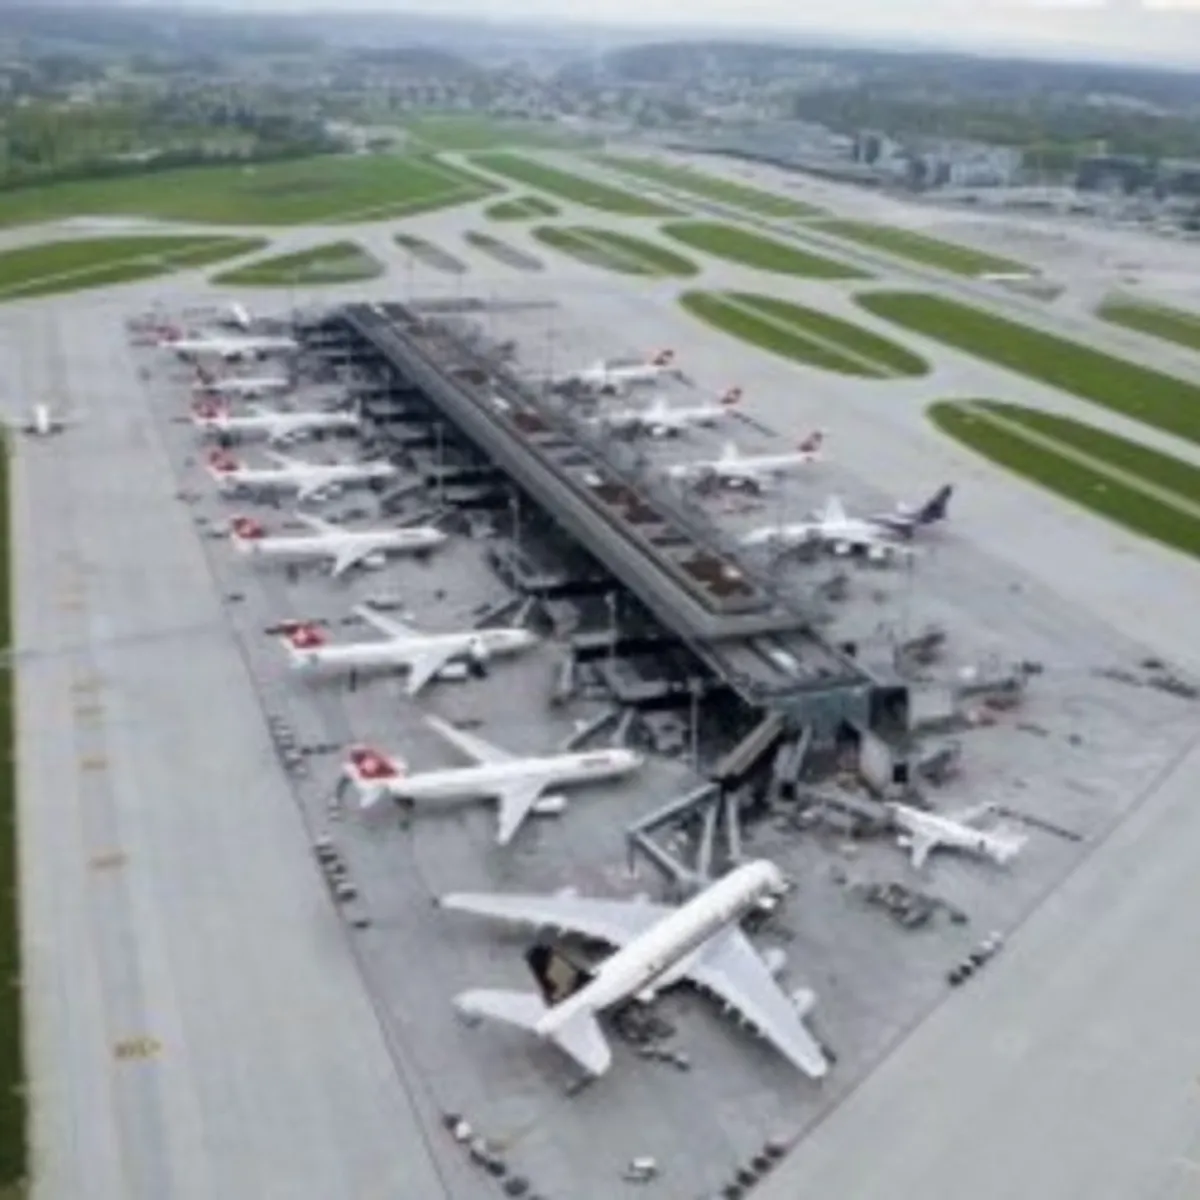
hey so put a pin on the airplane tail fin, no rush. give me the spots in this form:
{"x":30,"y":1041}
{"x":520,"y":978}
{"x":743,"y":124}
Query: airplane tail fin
{"x":1006,"y":845}
{"x":222,"y":464}
{"x":300,"y":639}
{"x":731,"y":398}
{"x":208,"y":412}
{"x":371,"y":772}
{"x":245,"y":531}
{"x":834,"y":510}
{"x":813,"y":443}
{"x":935,"y":508}
{"x":730,"y":452}
{"x":663,"y":358}
{"x":575,"y":1031}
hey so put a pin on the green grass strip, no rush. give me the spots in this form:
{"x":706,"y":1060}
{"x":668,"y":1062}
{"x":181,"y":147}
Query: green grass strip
{"x":334,"y":262}
{"x":13,"y":1133}
{"x":803,"y":334}
{"x":1098,"y":486}
{"x":571,"y":187}
{"x":1146,"y":395}
{"x":72,"y":265}
{"x":501,"y":251}
{"x":921,"y":248}
{"x":655,"y":259}
{"x":1158,"y":320}
{"x":754,"y":250}
{"x":521,"y":208}
{"x":710,"y":187}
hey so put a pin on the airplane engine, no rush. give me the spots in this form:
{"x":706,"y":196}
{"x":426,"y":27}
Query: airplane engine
{"x":550,"y":806}
{"x":375,"y":561}
{"x":478,"y":656}
{"x":804,"y":1000}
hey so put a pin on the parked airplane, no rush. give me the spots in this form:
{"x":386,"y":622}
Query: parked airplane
{"x":657,"y":947}
{"x":423,"y":655}
{"x":345,"y":547}
{"x":228,"y":347}
{"x":517,"y":783}
{"x":307,"y":479}
{"x":660,"y":419}
{"x":245,"y":387}
{"x":735,"y":470}
{"x":43,"y":423}
{"x":609,"y":377}
{"x":879,"y":537}
{"x":277,"y":426}
{"x":922,"y":832}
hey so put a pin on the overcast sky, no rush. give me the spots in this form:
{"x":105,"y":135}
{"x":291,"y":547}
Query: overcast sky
{"x":1168,"y":30}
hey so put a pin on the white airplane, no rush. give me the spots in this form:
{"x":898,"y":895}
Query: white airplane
{"x":879,"y":537}
{"x":518,"y":784}
{"x":306,"y":479}
{"x":423,"y":655}
{"x":346,"y":547}
{"x":657,"y":947}
{"x":735,"y":470}
{"x":660,"y":419}
{"x":211,"y":416}
{"x":610,"y":377}
{"x":43,"y":423}
{"x":245,"y":387}
{"x":922,"y":832}
{"x":228,"y":347}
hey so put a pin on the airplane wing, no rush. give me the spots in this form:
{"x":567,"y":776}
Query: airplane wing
{"x":475,"y":748}
{"x":614,"y":922}
{"x":424,"y":664}
{"x":317,"y":524}
{"x":281,"y":460}
{"x":347,"y":557}
{"x":919,"y":846}
{"x":513,"y":804}
{"x":730,"y":968}
{"x":392,"y":627}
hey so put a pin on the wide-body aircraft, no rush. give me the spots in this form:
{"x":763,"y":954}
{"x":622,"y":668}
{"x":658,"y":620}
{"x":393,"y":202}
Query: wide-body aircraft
{"x":749,"y":472}
{"x":610,"y":377}
{"x":342,"y":548}
{"x":212,"y":416}
{"x":661,"y":419}
{"x":880,"y":537}
{"x":656,"y":948}
{"x":519,"y":784}
{"x":307,"y":479}
{"x":402,"y":648}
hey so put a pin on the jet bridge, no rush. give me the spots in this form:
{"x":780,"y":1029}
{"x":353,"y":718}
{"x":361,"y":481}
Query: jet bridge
{"x":761,"y":643}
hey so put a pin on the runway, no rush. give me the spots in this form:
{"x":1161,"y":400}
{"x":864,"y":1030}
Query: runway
{"x":161,"y":848}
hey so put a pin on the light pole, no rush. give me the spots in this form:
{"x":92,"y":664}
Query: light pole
{"x":441,"y":466}
{"x":694,"y":689}
{"x":612,"y":600}
{"x":514,"y":504}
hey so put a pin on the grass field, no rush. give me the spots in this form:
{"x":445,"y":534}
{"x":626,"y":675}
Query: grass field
{"x":68,"y":266}
{"x":431,"y":255}
{"x":509,"y":255}
{"x":1151,"y":493}
{"x":334,"y":262}
{"x":711,"y":187}
{"x":1160,"y":321}
{"x":919,"y":247}
{"x":571,"y":187}
{"x":1139,"y":392}
{"x":328,"y":188}
{"x":521,"y":208}
{"x":804,"y":335}
{"x":615,"y":251}
{"x":754,"y":250}
{"x":13,"y":1160}
{"x":462,"y":132}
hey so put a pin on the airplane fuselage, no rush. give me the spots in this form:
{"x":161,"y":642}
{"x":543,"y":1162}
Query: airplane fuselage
{"x":316,"y":477}
{"x":636,"y":967}
{"x":485,"y":780}
{"x":278,"y":425}
{"x":400,"y":652}
{"x":329,"y":545}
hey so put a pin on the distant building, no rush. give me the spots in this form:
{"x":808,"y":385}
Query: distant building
{"x":1125,"y":173}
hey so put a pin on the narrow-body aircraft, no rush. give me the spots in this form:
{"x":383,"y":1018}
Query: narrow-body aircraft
{"x":745,"y":471}
{"x":212,"y":416}
{"x":307,"y":479}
